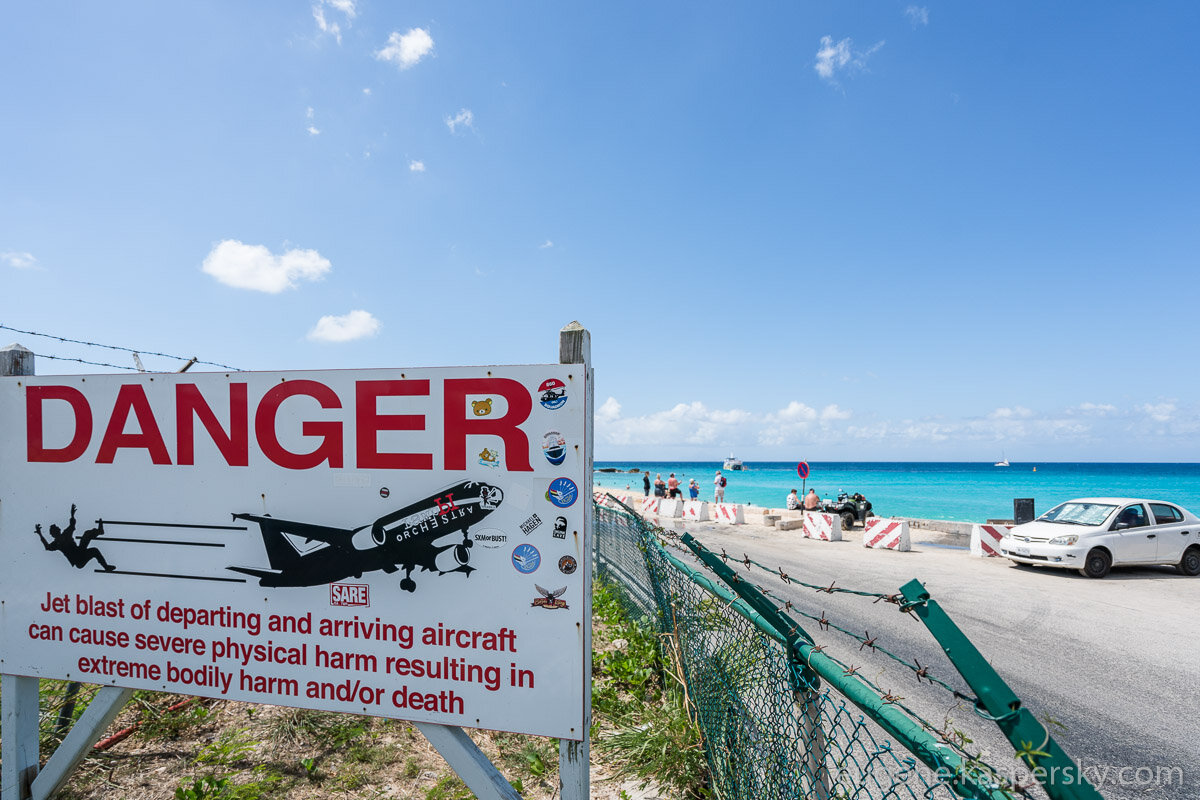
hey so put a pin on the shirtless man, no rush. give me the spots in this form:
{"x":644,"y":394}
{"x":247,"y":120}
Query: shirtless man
{"x":78,"y":553}
{"x":811,"y":501}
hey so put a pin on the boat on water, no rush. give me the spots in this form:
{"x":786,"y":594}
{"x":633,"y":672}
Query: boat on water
{"x":1003,"y":462}
{"x":733,"y":463}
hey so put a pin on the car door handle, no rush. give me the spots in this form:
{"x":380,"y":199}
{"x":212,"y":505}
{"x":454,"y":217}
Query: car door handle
{"x":1185,"y":533}
{"x":1151,"y":536}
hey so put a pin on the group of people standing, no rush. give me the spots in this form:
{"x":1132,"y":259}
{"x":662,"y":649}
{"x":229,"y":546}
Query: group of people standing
{"x":671,"y":489}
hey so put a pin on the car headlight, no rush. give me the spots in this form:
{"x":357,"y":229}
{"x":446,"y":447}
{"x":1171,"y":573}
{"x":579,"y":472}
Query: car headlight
{"x":1069,"y":539}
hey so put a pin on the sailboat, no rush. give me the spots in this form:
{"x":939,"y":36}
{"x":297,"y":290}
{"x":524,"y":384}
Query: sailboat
{"x":1003,"y":462}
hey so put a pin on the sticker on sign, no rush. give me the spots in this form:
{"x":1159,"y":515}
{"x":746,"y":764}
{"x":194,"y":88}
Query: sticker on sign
{"x":310,"y":539}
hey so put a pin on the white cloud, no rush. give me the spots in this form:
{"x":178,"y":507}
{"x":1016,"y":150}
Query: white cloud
{"x":609,"y":411}
{"x":1159,"y":412}
{"x":405,"y":50}
{"x":357,"y":324}
{"x":464,"y":118}
{"x":696,"y":424}
{"x":367,"y":90}
{"x":313,"y":131}
{"x":416,"y":166}
{"x":1019,"y":412}
{"x":694,"y":430}
{"x":309,"y":112}
{"x":546,"y":245}
{"x":833,"y":58}
{"x":324,"y":25}
{"x":1096,"y":409}
{"x":918,"y":15}
{"x":832,"y":412}
{"x":19,"y":260}
{"x":246,"y":266}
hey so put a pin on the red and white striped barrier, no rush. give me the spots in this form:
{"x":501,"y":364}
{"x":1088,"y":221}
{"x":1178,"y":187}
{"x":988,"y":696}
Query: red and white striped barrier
{"x":670,"y":508}
{"x":651,"y":505}
{"x":985,"y":539}
{"x":886,"y":534}
{"x":825,"y":527}
{"x":695,"y":510}
{"x":728,"y":513}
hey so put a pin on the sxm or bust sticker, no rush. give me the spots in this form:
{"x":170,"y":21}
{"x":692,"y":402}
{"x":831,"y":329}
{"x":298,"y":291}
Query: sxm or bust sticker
{"x":385,"y":542}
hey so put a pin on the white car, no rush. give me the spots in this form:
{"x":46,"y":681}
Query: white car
{"x":1093,"y":534}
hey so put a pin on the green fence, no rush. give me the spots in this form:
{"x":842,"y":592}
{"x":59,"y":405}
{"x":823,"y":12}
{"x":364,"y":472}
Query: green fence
{"x":781,"y":718}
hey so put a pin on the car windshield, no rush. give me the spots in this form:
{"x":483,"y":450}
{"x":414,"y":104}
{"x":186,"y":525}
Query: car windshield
{"x":1078,"y":513}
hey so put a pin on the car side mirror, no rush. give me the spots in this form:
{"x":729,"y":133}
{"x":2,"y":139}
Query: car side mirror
{"x":1120,"y":526}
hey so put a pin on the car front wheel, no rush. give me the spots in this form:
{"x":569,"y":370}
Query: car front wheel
{"x":1190,"y":563}
{"x":1097,"y":564}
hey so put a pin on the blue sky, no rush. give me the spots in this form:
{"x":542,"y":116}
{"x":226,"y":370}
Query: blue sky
{"x":826,"y":230}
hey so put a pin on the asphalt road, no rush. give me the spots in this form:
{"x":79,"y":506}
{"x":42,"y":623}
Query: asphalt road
{"x":1116,"y":662}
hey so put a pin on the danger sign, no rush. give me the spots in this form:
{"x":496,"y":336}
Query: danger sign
{"x":364,"y":541}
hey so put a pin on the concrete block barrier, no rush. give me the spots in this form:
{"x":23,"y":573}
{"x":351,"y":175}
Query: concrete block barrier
{"x":825,"y":527}
{"x":886,"y":534}
{"x":789,"y":524}
{"x":651,"y":505}
{"x":985,"y":539}
{"x":670,"y":508}
{"x":695,"y":510}
{"x":728,"y":513}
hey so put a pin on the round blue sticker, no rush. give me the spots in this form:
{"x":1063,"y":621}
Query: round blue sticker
{"x":526,"y":558}
{"x":562,"y":492}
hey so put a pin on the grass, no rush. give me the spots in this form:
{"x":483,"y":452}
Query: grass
{"x":645,"y":726}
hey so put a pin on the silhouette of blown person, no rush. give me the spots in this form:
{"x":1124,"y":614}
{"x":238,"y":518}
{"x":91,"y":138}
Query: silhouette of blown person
{"x":78,"y":553}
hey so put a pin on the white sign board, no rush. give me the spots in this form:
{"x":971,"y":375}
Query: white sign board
{"x":400,"y":543}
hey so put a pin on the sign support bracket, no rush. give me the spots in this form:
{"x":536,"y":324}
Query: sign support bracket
{"x":99,"y":714}
{"x":468,"y":761}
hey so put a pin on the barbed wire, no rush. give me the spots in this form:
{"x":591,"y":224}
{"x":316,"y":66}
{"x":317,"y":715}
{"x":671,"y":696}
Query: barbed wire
{"x":110,"y":347}
{"x":787,"y":607}
{"x":922,"y":673}
{"x":946,"y":734}
{"x":668,"y":538}
{"x":84,"y":361}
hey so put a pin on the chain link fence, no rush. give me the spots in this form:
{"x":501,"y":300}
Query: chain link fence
{"x":772,"y":727}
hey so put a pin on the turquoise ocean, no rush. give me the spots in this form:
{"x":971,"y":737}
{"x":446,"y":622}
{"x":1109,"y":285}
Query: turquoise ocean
{"x":964,"y":492}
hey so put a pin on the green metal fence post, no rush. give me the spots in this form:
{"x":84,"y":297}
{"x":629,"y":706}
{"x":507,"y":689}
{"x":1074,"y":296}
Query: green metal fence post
{"x":1050,"y":765}
{"x":805,"y":654}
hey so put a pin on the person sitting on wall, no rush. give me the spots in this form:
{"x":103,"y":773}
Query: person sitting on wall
{"x":811,"y":501}
{"x":793,"y":501}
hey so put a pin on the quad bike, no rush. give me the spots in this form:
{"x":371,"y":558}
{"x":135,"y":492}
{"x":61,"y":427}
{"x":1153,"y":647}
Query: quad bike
{"x":850,"y":507}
